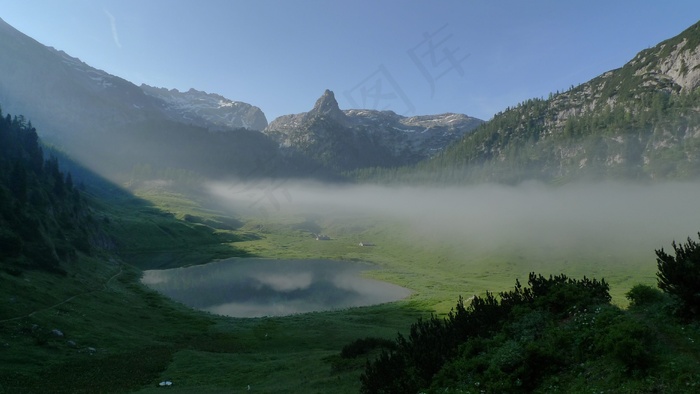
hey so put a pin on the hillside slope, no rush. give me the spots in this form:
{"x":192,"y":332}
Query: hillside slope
{"x":641,"y":122}
{"x":111,"y":125}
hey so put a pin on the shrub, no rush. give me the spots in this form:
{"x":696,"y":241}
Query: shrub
{"x":643,"y":295}
{"x":679,"y":276}
{"x":629,"y":342}
{"x":514,"y":365}
{"x":559,"y":294}
{"x":390,"y":373}
{"x":362,"y":346}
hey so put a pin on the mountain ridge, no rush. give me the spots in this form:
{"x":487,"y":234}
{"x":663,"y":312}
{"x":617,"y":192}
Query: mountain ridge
{"x":209,"y":110}
{"x":639,"y":122}
{"x":359,"y":138}
{"x":116,"y":127}
{"x":112,"y":125}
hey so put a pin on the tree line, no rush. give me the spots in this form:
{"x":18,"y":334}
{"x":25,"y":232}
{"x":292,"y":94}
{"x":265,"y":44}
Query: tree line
{"x":44,"y":219}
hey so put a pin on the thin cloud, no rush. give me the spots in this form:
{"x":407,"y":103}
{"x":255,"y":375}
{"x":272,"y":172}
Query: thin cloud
{"x":113,"y":24}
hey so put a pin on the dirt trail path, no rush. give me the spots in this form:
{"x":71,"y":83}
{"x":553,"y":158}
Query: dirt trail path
{"x":69,"y":299}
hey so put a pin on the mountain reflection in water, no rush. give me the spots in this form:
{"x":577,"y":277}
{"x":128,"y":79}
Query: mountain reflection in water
{"x":264,"y":287}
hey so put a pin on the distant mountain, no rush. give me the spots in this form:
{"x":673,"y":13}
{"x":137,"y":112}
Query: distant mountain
{"x":208,"y":110}
{"x":121,"y":130}
{"x":352,"y":139}
{"x":112,"y":125}
{"x":641,"y":122}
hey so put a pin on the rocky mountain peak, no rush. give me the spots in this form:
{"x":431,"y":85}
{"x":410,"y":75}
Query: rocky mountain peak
{"x":359,"y":138}
{"x":327,"y":105}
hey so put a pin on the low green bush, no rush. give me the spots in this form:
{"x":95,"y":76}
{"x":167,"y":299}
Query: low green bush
{"x":365,"y":345}
{"x":641,"y":295}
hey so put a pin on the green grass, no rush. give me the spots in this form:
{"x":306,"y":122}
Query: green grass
{"x":440,"y":270}
{"x":153,"y":233}
{"x":141,"y":338}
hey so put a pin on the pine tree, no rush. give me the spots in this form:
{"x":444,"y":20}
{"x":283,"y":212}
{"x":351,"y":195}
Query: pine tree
{"x":18,"y":182}
{"x":679,"y":276}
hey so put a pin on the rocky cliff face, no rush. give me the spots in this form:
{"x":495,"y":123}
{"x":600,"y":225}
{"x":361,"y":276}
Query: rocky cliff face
{"x":207,"y":110}
{"x":351,"y":139}
{"x":673,"y":62}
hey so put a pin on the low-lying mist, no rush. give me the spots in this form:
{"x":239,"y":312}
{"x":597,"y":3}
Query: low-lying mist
{"x":606,"y":225}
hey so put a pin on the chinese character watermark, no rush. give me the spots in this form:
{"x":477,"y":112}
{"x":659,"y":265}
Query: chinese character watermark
{"x":379,"y":91}
{"x":264,"y":192}
{"x":261,"y":186}
{"x":435,"y":59}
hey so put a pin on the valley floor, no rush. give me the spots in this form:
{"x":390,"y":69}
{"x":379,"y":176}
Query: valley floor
{"x":98,"y":329}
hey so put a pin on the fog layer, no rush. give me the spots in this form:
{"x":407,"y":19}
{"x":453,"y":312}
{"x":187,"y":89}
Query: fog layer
{"x":601,"y":223}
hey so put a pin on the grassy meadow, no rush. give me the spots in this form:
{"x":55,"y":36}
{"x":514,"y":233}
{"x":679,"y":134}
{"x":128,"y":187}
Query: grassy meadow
{"x":119,"y":336}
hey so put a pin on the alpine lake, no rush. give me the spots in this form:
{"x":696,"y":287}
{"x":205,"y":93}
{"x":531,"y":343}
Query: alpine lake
{"x":254,"y":287}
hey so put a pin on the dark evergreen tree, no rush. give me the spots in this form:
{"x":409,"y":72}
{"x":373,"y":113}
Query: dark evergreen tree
{"x":43,"y":220}
{"x":679,"y":276}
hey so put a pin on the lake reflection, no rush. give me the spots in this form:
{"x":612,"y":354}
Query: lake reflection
{"x":263,"y":287}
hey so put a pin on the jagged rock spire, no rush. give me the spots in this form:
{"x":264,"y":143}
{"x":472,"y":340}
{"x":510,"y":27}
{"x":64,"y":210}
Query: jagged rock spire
{"x":327,"y":105}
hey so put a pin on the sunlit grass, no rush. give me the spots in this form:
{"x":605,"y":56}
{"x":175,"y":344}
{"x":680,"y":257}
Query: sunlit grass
{"x":440,"y":270}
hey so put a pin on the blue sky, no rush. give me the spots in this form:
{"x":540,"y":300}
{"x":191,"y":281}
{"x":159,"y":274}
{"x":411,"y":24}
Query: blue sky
{"x":413,"y":57}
